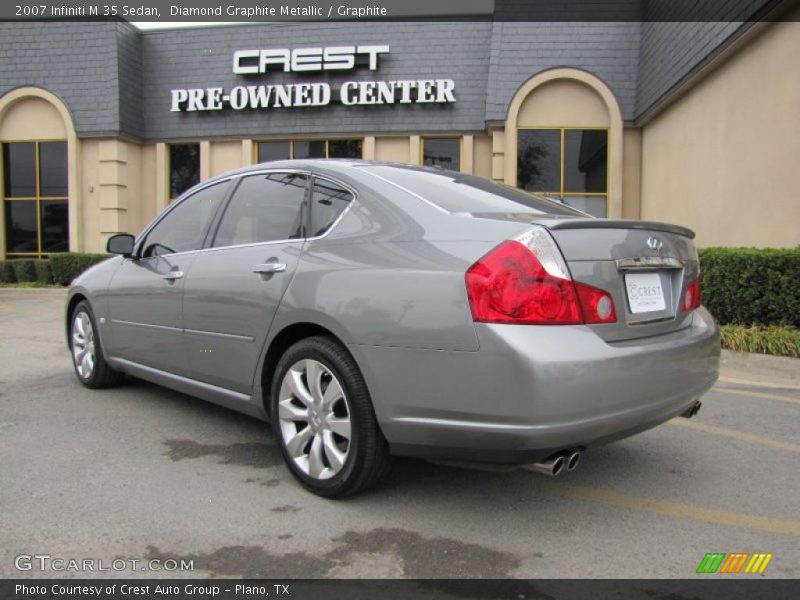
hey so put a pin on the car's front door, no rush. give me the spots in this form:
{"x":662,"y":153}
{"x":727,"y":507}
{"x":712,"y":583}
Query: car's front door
{"x":146,"y":292}
{"x":233,"y":288}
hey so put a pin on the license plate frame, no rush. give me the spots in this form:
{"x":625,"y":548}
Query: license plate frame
{"x":645,"y":293}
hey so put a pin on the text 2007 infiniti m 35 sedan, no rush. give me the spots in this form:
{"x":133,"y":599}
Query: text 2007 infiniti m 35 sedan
{"x":369,"y":309}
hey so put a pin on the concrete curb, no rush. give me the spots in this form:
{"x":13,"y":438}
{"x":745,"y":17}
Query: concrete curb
{"x":760,"y":368}
{"x":28,"y":290}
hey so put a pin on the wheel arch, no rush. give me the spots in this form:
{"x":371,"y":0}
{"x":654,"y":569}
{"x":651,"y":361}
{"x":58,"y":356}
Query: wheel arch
{"x":75,"y":299}
{"x":278,"y":346}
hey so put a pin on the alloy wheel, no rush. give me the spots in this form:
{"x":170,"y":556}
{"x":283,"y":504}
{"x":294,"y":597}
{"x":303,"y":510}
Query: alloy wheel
{"x":314,"y":419}
{"x":83,"y":348}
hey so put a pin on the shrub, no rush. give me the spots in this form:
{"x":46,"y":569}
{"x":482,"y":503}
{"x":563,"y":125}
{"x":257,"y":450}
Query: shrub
{"x":752,"y":286}
{"x":778,"y":341}
{"x":7,"y":272}
{"x":44,"y":274}
{"x":24,"y":270}
{"x":68,"y":266}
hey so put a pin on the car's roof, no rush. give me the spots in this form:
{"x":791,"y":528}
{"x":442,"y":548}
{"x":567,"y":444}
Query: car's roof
{"x":400,"y":175}
{"x":328,"y":165}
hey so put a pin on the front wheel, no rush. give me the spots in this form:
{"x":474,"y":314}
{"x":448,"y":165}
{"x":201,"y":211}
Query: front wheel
{"x":323,"y":418}
{"x":87,"y":353}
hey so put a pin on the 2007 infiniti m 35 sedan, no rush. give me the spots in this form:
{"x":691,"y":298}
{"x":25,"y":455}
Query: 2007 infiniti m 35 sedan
{"x":369,"y":309}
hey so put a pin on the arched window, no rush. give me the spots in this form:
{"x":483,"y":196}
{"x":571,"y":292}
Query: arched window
{"x":563,"y":139}
{"x":35,"y":179}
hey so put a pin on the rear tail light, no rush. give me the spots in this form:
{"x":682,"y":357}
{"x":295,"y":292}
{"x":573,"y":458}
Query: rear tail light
{"x":510,"y":285}
{"x":597,"y":305}
{"x":525,"y":281}
{"x":692,"y":296}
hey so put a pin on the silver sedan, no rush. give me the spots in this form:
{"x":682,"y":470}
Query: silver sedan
{"x":369,"y":309}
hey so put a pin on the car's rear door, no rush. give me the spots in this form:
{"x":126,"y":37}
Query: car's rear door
{"x":145,"y":293}
{"x":233,"y":287}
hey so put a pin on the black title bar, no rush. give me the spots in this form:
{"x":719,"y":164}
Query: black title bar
{"x":244,"y":11}
{"x":710,"y":587}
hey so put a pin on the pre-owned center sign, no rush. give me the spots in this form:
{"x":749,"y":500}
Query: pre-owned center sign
{"x":304,"y":60}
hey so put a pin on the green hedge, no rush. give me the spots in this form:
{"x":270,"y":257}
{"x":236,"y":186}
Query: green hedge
{"x":68,"y":266}
{"x":7,"y":272}
{"x":752,"y":286}
{"x":24,"y":270}
{"x":44,"y":274}
{"x":59,"y":268}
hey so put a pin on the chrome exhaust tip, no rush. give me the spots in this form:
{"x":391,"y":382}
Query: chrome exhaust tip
{"x":550,"y":466}
{"x":692,"y":410}
{"x":572,"y":460}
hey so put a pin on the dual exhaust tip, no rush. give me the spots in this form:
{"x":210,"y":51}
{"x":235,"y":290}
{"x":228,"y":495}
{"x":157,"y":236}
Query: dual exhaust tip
{"x":557,"y":463}
{"x":568,"y":459}
{"x":692,"y":410}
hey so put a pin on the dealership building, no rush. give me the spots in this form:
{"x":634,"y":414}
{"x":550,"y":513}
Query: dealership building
{"x":102,"y":125}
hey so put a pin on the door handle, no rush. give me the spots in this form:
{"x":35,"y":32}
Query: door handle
{"x":173,"y":275}
{"x":270,"y":267}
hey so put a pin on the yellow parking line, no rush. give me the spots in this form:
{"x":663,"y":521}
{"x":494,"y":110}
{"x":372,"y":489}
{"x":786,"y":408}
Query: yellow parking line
{"x":769,"y":384}
{"x":684,"y":511}
{"x":756,"y":395}
{"x":739,"y":435}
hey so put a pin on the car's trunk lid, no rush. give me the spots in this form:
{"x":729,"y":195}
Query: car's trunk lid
{"x":646,"y":266}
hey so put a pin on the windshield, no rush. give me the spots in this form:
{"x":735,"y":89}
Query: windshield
{"x":458,"y":192}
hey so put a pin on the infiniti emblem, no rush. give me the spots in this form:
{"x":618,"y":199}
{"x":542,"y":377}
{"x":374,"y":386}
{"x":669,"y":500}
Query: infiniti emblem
{"x":655,"y":244}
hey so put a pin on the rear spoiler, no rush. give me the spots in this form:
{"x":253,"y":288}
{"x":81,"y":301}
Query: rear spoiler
{"x":616,"y":224}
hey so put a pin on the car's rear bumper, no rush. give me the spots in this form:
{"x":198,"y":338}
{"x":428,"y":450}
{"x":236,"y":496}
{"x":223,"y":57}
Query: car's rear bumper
{"x":529,"y":391}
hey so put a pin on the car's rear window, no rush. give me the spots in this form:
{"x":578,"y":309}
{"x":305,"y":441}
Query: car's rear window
{"x":458,"y":192}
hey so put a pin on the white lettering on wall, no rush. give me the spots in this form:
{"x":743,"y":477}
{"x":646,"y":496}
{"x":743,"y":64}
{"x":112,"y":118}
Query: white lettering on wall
{"x":296,"y":95}
{"x":306,"y":60}
{"x":300,"y":60}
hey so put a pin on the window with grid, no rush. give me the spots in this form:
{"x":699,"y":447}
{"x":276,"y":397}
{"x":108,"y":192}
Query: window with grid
{"x":184,"y":168}
{"x":289,"y":149}
{"x":570,"y":164}
{"x":35,"y":201}
{"x":442,"y":152}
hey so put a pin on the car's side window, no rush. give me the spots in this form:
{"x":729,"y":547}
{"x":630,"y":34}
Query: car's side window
{"x":265,"y":208}
{"x":328,"y":201}
{"x":184,"y":228}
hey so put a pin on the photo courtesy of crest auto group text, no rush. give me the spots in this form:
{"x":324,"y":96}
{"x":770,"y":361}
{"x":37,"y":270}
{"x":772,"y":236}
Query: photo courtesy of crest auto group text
{"x":496,"y":300}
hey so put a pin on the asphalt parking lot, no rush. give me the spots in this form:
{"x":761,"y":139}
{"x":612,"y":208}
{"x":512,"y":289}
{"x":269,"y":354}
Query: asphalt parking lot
{"x":140,"y":472}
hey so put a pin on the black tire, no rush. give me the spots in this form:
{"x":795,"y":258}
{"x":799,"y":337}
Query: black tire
{"x":368,"y":459}
{"x":102,"y":375}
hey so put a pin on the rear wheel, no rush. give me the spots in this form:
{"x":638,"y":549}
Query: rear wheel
{"x":323,"y":417}
{"x":87,"y":353}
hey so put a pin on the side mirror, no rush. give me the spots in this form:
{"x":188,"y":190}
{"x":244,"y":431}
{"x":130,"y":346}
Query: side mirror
{"x":121,"y":243}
